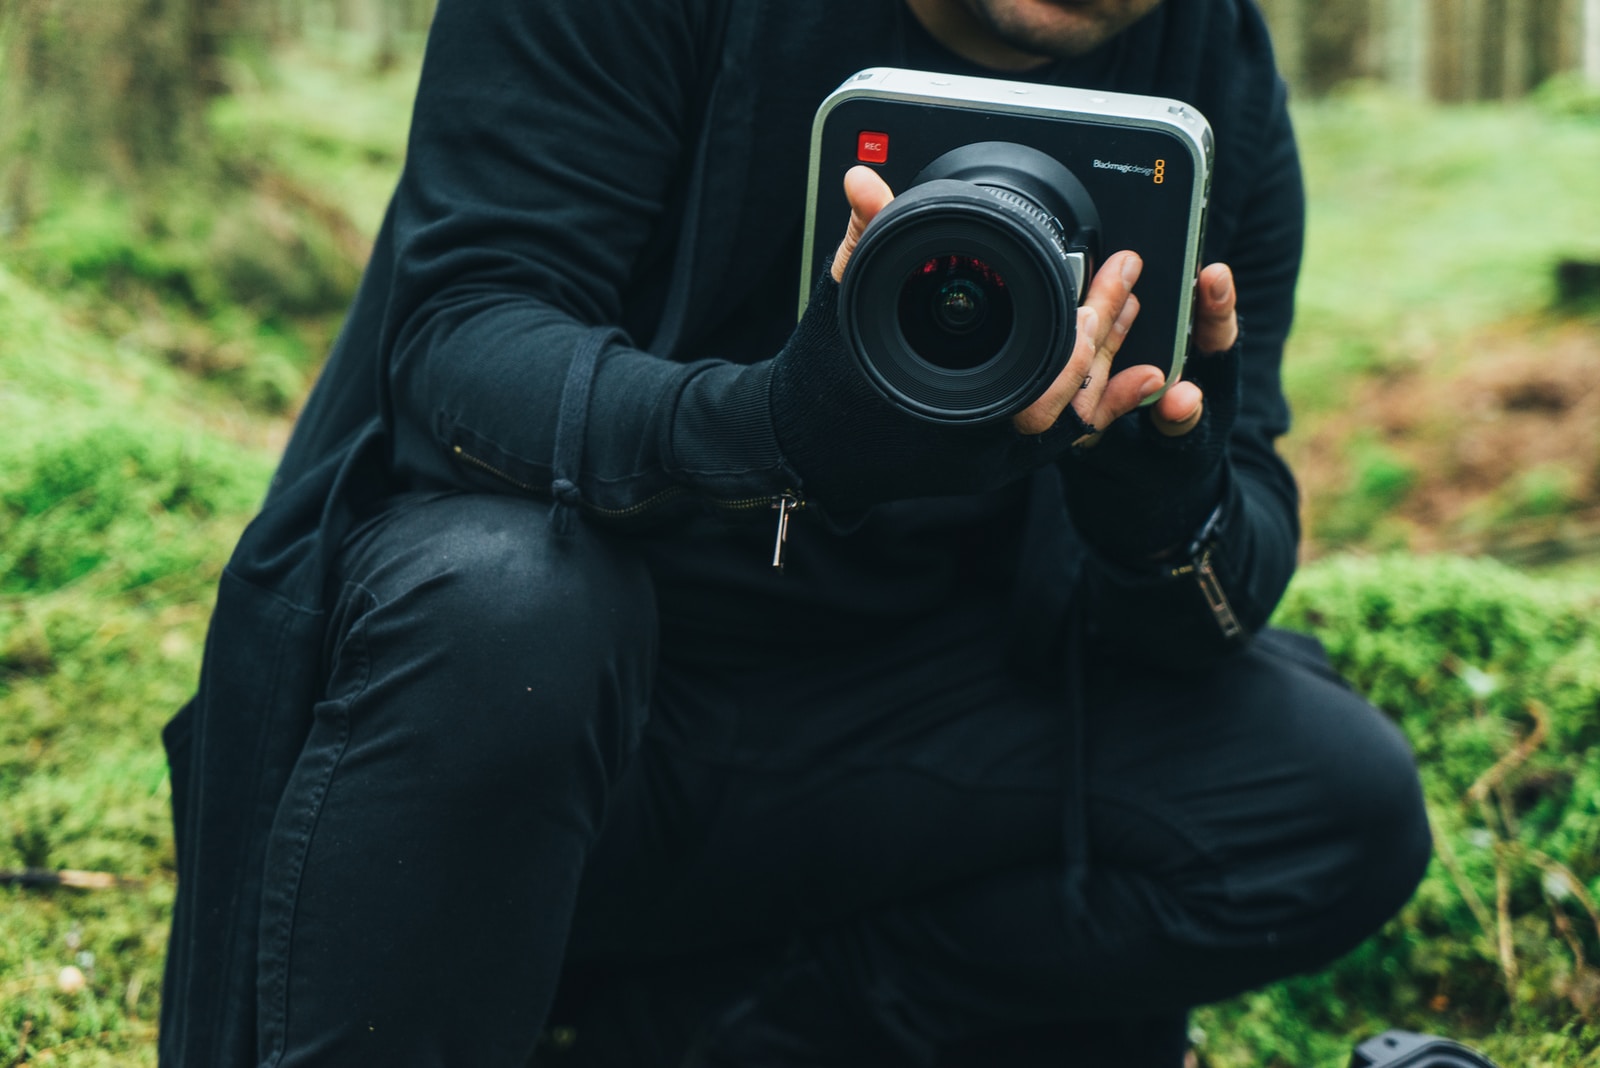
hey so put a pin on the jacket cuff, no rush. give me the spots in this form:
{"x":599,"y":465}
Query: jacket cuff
{"x":720,"y":440}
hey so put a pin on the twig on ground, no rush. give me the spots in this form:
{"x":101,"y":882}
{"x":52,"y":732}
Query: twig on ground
{"x":77,"y":880}
{"x":1564,"y":926}
{"x":1502,"y":907}
{"x":1505,"y":949}
{"x":1488,"y":785}
{"x":1479,"y":791}
{"x":22,"y":1044}
{"x":1464,"y":887}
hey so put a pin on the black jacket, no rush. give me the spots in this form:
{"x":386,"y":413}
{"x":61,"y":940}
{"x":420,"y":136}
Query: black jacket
{"x":597,"y":199}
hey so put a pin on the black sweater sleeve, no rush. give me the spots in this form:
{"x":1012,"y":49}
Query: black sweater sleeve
{"x":1145,"y":605}
{"x":547,"y":146}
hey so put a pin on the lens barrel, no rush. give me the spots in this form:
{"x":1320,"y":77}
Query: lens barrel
{"x":960,"y":301}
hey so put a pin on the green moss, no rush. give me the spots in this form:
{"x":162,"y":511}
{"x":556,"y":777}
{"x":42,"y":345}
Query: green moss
{"x":118,"y":499}
{"x":1464,"y":655}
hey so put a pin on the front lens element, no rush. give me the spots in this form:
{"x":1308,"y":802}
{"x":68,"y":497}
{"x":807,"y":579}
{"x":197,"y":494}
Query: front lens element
{"x":955,"y":312}
{"x":960,"y":306}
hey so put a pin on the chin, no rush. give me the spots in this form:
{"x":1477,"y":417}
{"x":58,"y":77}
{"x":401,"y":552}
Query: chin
{"x":1059,"y":28}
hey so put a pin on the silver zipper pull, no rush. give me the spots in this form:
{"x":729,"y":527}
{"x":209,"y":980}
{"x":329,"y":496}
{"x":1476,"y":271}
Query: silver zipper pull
{"x":1216,"y":599}
{"x":1205,"y":576}
{"x":785,"y":504}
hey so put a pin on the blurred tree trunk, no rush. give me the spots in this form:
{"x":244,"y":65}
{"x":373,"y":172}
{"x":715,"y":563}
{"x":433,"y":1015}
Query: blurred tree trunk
{"x":1470,"y":30}
{"x":1516,"y":66}
{"x":1591,"y":42}
{"x":1407,"y":37}
{"x":1288,"y":31}
{"x":1450,"y":50}
{"x":112,"y":88}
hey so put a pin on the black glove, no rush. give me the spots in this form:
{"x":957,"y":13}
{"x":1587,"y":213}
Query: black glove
{"x":1138,"y":494}
{"x":853,"y":449}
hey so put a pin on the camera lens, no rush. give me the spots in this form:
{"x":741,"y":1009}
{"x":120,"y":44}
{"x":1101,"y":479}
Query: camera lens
{"x":960,"y":301}
{"x":955,"y":312}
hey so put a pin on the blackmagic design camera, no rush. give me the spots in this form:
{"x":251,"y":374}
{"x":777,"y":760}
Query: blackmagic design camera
{"x":960,"y":302}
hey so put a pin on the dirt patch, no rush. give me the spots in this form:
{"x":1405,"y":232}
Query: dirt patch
{"x":1495,"y":449}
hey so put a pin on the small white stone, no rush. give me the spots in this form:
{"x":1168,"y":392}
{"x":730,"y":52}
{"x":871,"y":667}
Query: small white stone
{"x":1480,"y":683}
{"x":70,"y":980}
{"x":1557,"y":885}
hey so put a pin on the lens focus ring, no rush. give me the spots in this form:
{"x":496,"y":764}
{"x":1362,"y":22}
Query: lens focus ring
{"x":1047,"y":223}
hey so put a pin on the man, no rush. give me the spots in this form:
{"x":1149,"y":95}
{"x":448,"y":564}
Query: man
{"x":985,"y":764}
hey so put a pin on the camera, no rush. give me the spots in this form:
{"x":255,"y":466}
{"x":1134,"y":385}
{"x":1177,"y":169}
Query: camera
{"x":960,"y":302}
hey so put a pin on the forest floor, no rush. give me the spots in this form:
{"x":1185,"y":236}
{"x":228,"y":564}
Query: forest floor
{"x":1501,"y":455}
{"x":154,"y":349}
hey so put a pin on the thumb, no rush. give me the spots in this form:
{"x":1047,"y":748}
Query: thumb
{"x":868,"y":195}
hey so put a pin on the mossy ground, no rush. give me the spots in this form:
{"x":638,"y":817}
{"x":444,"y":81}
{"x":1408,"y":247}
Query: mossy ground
{"x":153,"y":349}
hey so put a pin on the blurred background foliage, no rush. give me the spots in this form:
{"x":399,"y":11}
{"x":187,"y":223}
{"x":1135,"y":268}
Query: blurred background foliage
{"x":188,"y":189}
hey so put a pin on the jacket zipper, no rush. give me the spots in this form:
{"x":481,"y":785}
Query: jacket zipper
{"x":1205,"y":576}
{"x":467,"y":457}
{"x":786,"y":502}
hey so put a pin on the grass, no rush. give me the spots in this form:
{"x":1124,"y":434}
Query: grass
{"x":299,"y":114}
{"x":144,"y":387}
{"x":119,"y":497}
{"x":1426,"y":225}
{"x":152,"y":349}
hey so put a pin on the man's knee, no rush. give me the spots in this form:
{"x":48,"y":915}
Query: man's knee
{"x":1382,"y":823}
{"x":1280,"y":812}
{"x":505,"y":642}
{"x":493,"y":571}
{"x":1359,"y":843}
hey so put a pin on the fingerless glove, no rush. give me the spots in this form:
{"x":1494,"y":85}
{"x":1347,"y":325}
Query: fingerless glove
{"x":1138,"y":494}
{"x":854,"y":449}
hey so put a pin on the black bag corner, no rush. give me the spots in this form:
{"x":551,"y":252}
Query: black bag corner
{"x":1406,"y":1049}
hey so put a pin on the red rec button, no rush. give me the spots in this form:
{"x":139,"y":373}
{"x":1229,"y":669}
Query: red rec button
{"x":872,"y":147}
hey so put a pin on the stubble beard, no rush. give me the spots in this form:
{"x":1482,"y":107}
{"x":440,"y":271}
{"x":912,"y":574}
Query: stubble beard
{"x":1058,"y":29}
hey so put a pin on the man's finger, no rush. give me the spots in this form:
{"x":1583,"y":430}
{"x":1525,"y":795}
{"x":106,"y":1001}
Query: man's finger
{"x":1122,"y":395}
{"x":1103,"y":323}
{"x":868,"y":194}
{"x":1179,"y":409}
{"x":1216,"y":323}
{"x":1112,"y":287}
{"x":1087,"y":400}
{"x":1042,"y":414}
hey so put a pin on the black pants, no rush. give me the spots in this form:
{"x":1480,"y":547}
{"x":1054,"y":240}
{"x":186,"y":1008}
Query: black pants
{"x":855,"y":858}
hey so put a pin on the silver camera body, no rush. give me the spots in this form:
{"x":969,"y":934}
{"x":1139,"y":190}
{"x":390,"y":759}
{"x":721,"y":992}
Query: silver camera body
{"x":960,"y":301}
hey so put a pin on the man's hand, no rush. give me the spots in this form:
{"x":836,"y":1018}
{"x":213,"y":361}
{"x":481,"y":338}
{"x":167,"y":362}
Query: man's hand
{"x":1086,"y":383}
{"x":1148,"y":487}
{"x":852,"y":449}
